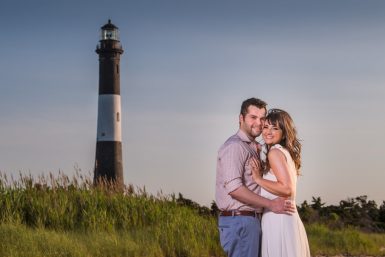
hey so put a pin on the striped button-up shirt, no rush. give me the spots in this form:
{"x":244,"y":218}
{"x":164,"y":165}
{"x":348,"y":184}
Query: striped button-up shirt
{"x":233,"y":171}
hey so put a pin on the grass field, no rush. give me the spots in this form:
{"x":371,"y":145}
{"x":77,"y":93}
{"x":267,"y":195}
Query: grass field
{"x":69,"y":217}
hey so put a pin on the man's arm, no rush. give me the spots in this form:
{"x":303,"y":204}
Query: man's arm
{"x":278,"y":205}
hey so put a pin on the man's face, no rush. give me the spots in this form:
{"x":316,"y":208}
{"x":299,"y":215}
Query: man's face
{"x":252,"y":122}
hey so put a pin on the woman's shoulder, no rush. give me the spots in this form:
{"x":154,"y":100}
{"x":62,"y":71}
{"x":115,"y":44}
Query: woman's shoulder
{"x":277,"y":148}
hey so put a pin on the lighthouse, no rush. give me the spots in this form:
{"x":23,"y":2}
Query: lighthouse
{"x":108,"y":159}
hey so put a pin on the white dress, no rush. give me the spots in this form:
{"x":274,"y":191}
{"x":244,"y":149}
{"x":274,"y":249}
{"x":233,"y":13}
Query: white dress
{"x":283,"y":235}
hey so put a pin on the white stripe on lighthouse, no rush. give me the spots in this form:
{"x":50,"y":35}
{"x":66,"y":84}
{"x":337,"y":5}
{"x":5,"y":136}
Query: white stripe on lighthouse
{"x":109,"y":118}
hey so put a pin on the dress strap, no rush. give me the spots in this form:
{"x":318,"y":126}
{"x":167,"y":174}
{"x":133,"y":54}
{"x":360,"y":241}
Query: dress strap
{"x":283,"y":150}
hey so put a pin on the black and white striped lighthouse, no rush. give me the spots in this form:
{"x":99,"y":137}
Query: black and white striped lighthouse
{"x":108,"y":160}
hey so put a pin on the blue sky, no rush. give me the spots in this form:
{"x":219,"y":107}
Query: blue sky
{"x":186,"y":68}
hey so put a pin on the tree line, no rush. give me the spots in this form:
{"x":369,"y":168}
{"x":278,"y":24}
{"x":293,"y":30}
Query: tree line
{"x":358,"y":212}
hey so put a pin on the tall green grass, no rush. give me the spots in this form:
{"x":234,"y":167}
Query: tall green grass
{"x":18,"y":240}
{"x":156,"y":226}
{"x":349,"y":241}
{"x":62,"y":216}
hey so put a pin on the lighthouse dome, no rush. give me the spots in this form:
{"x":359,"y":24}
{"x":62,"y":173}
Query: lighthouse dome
{"x":109,"y":32}
{"x":109,"y":26}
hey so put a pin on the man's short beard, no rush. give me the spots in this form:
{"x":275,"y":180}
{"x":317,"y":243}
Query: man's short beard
{"x":257,"y":134}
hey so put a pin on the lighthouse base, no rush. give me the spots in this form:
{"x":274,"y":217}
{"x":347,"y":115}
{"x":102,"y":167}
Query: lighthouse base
{"x":108,"y":163}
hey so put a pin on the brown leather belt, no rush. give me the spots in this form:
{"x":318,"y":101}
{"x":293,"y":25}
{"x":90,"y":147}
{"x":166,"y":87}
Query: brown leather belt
{"x":240,"y":213}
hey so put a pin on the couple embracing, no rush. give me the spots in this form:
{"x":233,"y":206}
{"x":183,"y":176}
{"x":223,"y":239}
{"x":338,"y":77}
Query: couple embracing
{"x":256,"y":198}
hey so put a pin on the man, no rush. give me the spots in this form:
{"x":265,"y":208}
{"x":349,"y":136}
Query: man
{"x":236,"y":192}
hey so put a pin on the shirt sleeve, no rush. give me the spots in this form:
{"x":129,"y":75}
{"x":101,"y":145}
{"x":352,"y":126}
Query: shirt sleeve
{"x":232,"y":160}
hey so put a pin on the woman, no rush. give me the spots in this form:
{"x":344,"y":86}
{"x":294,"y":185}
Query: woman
{"x":282,"y":235}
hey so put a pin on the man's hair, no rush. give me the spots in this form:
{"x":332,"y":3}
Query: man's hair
{"x":252,"y":101}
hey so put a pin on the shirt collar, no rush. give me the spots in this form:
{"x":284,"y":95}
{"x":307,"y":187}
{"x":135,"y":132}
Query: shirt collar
{"x":242,"y":135}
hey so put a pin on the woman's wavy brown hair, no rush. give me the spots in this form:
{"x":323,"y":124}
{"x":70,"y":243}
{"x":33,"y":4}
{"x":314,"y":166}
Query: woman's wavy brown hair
{"x":289,"y":140}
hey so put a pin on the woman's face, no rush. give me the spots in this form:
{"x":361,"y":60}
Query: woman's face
{"x":271,"y":133}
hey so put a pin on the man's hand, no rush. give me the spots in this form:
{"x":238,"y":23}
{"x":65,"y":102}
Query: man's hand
{"x":282,"y":206}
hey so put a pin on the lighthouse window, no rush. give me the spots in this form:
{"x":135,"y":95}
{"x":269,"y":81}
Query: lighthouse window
{"x":109,"y":34}
{"x":117,"y":69}
{"x":117,"y":117}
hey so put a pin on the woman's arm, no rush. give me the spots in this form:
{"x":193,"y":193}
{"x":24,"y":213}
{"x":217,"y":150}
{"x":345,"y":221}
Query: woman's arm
{"x":284,"y":184}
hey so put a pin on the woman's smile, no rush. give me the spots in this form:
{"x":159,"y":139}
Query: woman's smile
{"x":272,"y":134}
